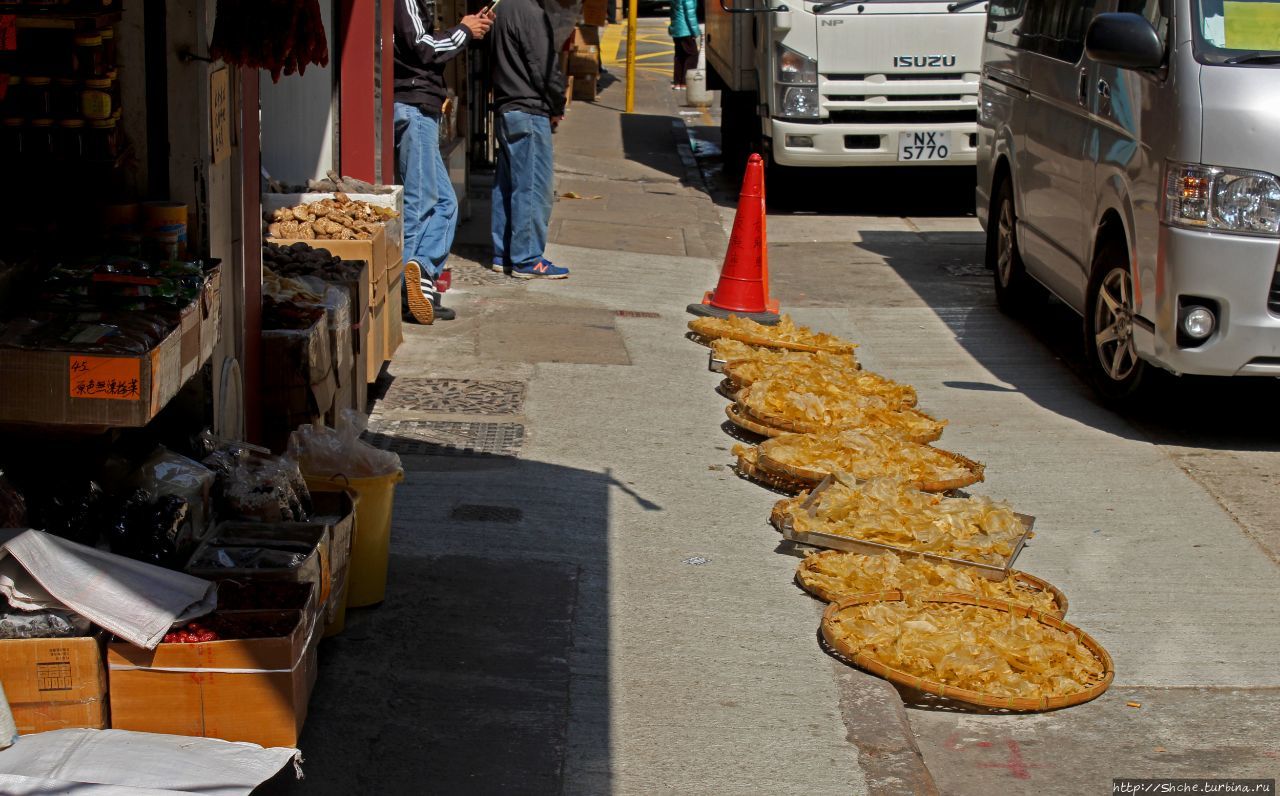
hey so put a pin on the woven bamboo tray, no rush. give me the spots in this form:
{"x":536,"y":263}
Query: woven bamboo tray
{"x":749,"y":470}
{"x":742,"y":419}
{"x":803,"y":427}
{"x":852,"y":544}
{"x":1026,"y":579}
{"x":728,"y":389}
{"x":976,"y":472}
{"x":767,"y":342}
{"x":866,"y":661}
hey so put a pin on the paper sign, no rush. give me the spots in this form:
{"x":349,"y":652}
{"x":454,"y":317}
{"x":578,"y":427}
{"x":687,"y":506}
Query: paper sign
{"x":105,"y":378}
{"x":8,"y":33}
{"x":220,"y":114}
{"x":1252,"y":26}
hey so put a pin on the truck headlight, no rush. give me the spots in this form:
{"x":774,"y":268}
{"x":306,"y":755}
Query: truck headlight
{"x":1226,"y":200}
{"x":798,"y":102}
{"x":797,"y":80}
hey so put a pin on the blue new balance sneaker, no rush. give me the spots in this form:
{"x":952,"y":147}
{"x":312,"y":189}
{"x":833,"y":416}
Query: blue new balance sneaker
{"x":542,"y":269}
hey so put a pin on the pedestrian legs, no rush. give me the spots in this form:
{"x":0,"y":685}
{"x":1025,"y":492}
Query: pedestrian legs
{"x":523,"y":188}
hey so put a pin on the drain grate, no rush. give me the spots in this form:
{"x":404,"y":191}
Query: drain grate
{"x":446,"y":438}
{"x":457,"y":396}
{"x":476,"y":512}
{"x":636,"y":314}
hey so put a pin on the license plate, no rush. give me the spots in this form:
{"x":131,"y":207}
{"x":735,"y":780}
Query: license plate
{"x":926,"y":145}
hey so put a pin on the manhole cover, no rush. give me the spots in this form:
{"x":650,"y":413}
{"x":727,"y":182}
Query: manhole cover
{"x":457,"y":396}
{"x":967,"y":269}
{"x":475,"y":512}
{"x":446,"y":438}
{"x":636,"y":314}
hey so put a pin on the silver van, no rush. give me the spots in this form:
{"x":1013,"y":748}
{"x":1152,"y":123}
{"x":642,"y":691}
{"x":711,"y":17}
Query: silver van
{"x":1127,"y":161}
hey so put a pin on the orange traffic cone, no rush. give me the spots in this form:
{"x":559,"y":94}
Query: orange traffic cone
{"x":743,"y":288}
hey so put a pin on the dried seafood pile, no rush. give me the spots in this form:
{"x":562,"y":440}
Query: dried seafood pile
{"x":339,"y":218}
{"x":919,"y":577}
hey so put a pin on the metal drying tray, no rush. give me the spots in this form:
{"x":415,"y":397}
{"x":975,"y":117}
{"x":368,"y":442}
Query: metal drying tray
{"x":851,"y":545}
{"x":715,"y":365}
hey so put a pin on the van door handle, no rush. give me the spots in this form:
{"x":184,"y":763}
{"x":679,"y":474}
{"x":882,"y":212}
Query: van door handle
{"x":1104,"y":89}
{"x":1082,"y":90}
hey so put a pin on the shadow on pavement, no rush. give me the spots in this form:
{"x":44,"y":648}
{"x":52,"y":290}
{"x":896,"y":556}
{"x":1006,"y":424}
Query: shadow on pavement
{"x":647,"y":140}
{"x":1042,"y":356}
{"x":494,"y":629}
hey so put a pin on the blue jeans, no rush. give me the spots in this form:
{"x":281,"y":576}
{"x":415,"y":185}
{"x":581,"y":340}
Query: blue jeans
{"x":430,"y":205}
{"x":523,"y":188}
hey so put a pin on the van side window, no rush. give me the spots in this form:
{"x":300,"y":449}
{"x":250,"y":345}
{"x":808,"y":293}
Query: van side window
{"x":1059,"y":27}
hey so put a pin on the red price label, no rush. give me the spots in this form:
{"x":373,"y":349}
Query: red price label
{"x":8,"y":33}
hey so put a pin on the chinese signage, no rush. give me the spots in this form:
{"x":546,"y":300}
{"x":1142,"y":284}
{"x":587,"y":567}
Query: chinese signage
{"x":105,"y":378}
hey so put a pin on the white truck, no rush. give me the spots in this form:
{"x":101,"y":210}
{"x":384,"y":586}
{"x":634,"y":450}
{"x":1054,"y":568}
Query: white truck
{"x":847,"y":83}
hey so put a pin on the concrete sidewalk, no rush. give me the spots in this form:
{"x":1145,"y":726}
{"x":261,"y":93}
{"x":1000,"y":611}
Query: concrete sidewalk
{"x":583,"y":597}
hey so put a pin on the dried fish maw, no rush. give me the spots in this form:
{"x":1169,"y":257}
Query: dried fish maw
{"x":867,"y":454}
{"x":780,"y":335}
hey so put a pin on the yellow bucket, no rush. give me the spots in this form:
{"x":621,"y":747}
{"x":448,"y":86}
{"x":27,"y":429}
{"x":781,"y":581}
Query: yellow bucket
{"x":371,"y":547}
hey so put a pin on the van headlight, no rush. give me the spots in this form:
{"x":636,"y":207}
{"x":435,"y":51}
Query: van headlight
{"x":797,"y":84}
{"x":1226,"y":200}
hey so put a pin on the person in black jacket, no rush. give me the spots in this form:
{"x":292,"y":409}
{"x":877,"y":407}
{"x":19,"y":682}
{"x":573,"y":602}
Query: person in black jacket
{"x":528,"y":99}
{"x":430,"y":205}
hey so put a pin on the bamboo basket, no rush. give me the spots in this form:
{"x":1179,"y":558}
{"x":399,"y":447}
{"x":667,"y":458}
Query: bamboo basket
{"x":766,"y":342}
{"x":804,"y":427}
{"x":976,"y":472}
{"x":728,"y":389}
{"x":866,"y":661}
{"x":748,"y":469}
{"x":778,"y":514}
{"x":739,"y":416}
{"x":1028,"y":580}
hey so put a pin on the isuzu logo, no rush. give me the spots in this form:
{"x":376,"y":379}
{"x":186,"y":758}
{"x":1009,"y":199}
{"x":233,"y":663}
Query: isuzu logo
{"x":924,"y":61}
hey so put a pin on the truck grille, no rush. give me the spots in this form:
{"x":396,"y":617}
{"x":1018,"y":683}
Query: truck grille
{"x":917,"y":94}
{"x":1273,"y":297}
{"x":904,"y":117}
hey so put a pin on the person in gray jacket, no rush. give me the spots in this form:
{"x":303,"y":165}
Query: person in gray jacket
{"x":528,"y":98}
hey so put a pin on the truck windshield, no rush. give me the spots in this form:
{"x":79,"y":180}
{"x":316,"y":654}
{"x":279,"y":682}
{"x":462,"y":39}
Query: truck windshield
{"x":1237,"y":31}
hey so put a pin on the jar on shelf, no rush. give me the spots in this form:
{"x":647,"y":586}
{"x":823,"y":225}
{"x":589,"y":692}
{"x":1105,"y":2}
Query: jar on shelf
{"x":66,"y":98}
{"x":108,"y":35}
{"x":39,"y":138}
{"x":90,"y":62}
{"x":11,"y":135}
{"x":95,"y":99}
{"x":37,"y":95}
{"x":101,"y":140}
{"x":114,"y":77}
{"x":71,"y":138}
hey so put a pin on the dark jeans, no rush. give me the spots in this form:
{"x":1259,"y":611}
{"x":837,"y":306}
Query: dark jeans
{"x":686,"y":58}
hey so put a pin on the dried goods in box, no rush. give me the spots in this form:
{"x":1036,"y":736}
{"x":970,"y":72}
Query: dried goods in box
{"x":816,"y":377}
{"x":894,"y":513}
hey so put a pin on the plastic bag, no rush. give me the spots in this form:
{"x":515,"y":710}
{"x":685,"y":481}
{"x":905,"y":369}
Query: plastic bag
{"x":47,"y":623}
{"x":167,"y":473}
{"x":266,"y":490}
{"x":328,"y":452}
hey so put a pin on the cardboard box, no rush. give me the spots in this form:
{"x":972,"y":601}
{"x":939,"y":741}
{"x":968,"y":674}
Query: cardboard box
{"x":584,"y":62}
{"x":595,"y":12}
{"x":313,"y":539}
{"x":360,"y":331}
{"x":395,"y":320}
{"x":298,"y":381}
{"x":377,"y":342}
{"x":54,"y":683}
{"x":393,"y":240}
{"x":585,"y":36}
{"x":584,"y":87}
{"x":253,"y":690}
{"x":372,"y":251}
{"x":66,"y":388}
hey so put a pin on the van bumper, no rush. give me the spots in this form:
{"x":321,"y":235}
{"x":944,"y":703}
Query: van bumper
{"x":1237,"y":272}
{"x":864,"y":144}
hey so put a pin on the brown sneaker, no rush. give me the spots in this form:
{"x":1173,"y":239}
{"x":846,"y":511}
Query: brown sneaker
{"x":418,"y":297}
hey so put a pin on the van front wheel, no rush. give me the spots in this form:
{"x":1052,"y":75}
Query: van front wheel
{"x":1110,"y":354}
{"x":1013,"y":287}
